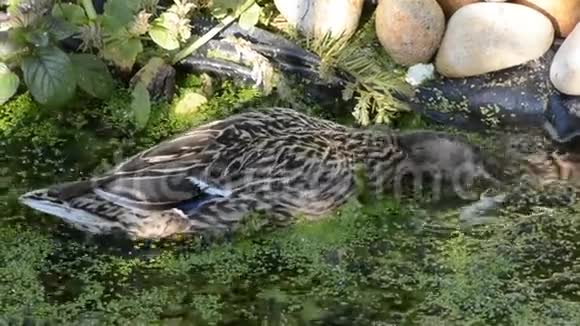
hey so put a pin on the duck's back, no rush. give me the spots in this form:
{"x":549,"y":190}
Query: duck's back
{"x":210,"y":154}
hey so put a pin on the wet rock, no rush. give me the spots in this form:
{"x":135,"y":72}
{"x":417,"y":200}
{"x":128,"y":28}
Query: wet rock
{"x":565,"y":69}
{"x":563,"y":119}
{"x":337,"y":17}
{"x":513,"y":98}
{"x":158,"y":77}
{"x":410,"y":30}
{"x":451,"y":6}
{"x":485,"y":37}
{"x":564,"y":14}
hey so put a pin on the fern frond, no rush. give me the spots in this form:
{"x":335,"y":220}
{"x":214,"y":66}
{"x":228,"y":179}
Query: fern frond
{"x":376,"y":75}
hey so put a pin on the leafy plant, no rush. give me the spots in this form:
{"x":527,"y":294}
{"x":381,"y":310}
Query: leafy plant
{"x":141,"y":105}
{"x":248,"y":11}
{"x":376,"y":77}
{"x":30,"y":42}
{"x":171,"y":28}
{"x":8,"y":83}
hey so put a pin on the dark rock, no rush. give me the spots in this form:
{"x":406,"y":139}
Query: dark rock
{"x":159,"y":77}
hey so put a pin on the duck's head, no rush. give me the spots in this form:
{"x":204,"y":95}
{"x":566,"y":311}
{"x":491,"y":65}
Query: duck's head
{"x":451,"y":158}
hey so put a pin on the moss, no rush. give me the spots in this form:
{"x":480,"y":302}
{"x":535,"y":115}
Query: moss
{"x":22,"y":256}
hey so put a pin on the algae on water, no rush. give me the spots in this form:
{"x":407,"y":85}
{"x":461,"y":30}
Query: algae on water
{"x":386,"y":262}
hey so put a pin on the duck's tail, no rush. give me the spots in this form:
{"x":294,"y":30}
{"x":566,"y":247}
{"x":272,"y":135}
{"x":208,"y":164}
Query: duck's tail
{"x":90,"y":213}
{"x":44,"y":200}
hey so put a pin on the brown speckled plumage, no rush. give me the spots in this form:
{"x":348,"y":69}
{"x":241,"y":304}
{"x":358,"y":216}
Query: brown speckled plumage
{"x":277,"y":161}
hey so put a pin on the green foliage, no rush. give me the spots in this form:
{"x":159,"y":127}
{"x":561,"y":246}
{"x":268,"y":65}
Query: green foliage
{"x":31,"y":43}
{"x":92,"y":75}
{"x":50,"y":76}
{"x":70,"y":12}
{"x":9,"y":82}
{"x":116,"y":35}
{"x":140,"y":105}
{"x":377,"y":78}
{"x":123,"y":50}
{"x":172,"y":28}
{"x":224,"y":8}
{"x":250,"y":17}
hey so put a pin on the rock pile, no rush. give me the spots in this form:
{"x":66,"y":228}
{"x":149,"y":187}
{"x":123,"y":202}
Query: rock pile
{"x":462,"y":38}
{"x":482,"y":36}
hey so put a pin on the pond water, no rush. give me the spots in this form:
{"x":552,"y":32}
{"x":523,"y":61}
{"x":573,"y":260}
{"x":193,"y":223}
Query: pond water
{"x":387,"y":263}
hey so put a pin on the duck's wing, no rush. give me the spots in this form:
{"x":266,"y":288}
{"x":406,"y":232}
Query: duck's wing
{"x":170,"y":173}
{"x":182,"y":169}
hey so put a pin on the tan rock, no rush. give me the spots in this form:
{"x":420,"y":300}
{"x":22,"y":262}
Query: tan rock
{"x":317,"y":18}
{"x":484,"y":37}
{"x":451,"y":6}
{"x":410,"y":30}
{"x":564,"y":14}
{"x":565,"y":68}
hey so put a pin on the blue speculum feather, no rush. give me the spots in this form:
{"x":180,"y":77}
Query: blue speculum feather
{"x":189,"y":207}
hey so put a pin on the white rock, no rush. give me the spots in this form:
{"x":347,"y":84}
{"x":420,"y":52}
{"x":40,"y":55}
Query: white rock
{"x":317,"y":18}
{"x":485,"y":37}
{"x":418,"y":73}
{"x":565,"y":68}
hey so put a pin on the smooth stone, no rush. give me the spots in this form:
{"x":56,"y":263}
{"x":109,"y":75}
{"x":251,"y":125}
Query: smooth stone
{"x":321,"y":17}
{"x":565,"y":69}
{"x":419,"y":73}
{"x":485,"y":37}
{"x":410,"y":30}
{"x":564,"y":14}
{"x":451,"y":6}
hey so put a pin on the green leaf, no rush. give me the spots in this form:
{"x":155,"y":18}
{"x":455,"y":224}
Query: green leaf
{"x":117,"y":14}
{"x":8,"y":47}
{"x":49,"y":75}
{"x":141,"y":105}
{"x":92,"y":75}
{"x":38,"y":38}
{"x":222,"y":8}
{"x":9,"y":82}
{"x":250,"y":17}
{"x":60,"y":29}
{"x":123,"y":52}
{"x":164,"y":37}
{"x":72,"y":13}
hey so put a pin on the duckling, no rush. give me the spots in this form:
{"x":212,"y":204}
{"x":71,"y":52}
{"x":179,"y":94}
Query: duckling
{"x":276,"y":161}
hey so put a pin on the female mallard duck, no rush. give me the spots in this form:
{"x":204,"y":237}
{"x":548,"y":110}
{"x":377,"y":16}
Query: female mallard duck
{"x":277,"y":161}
